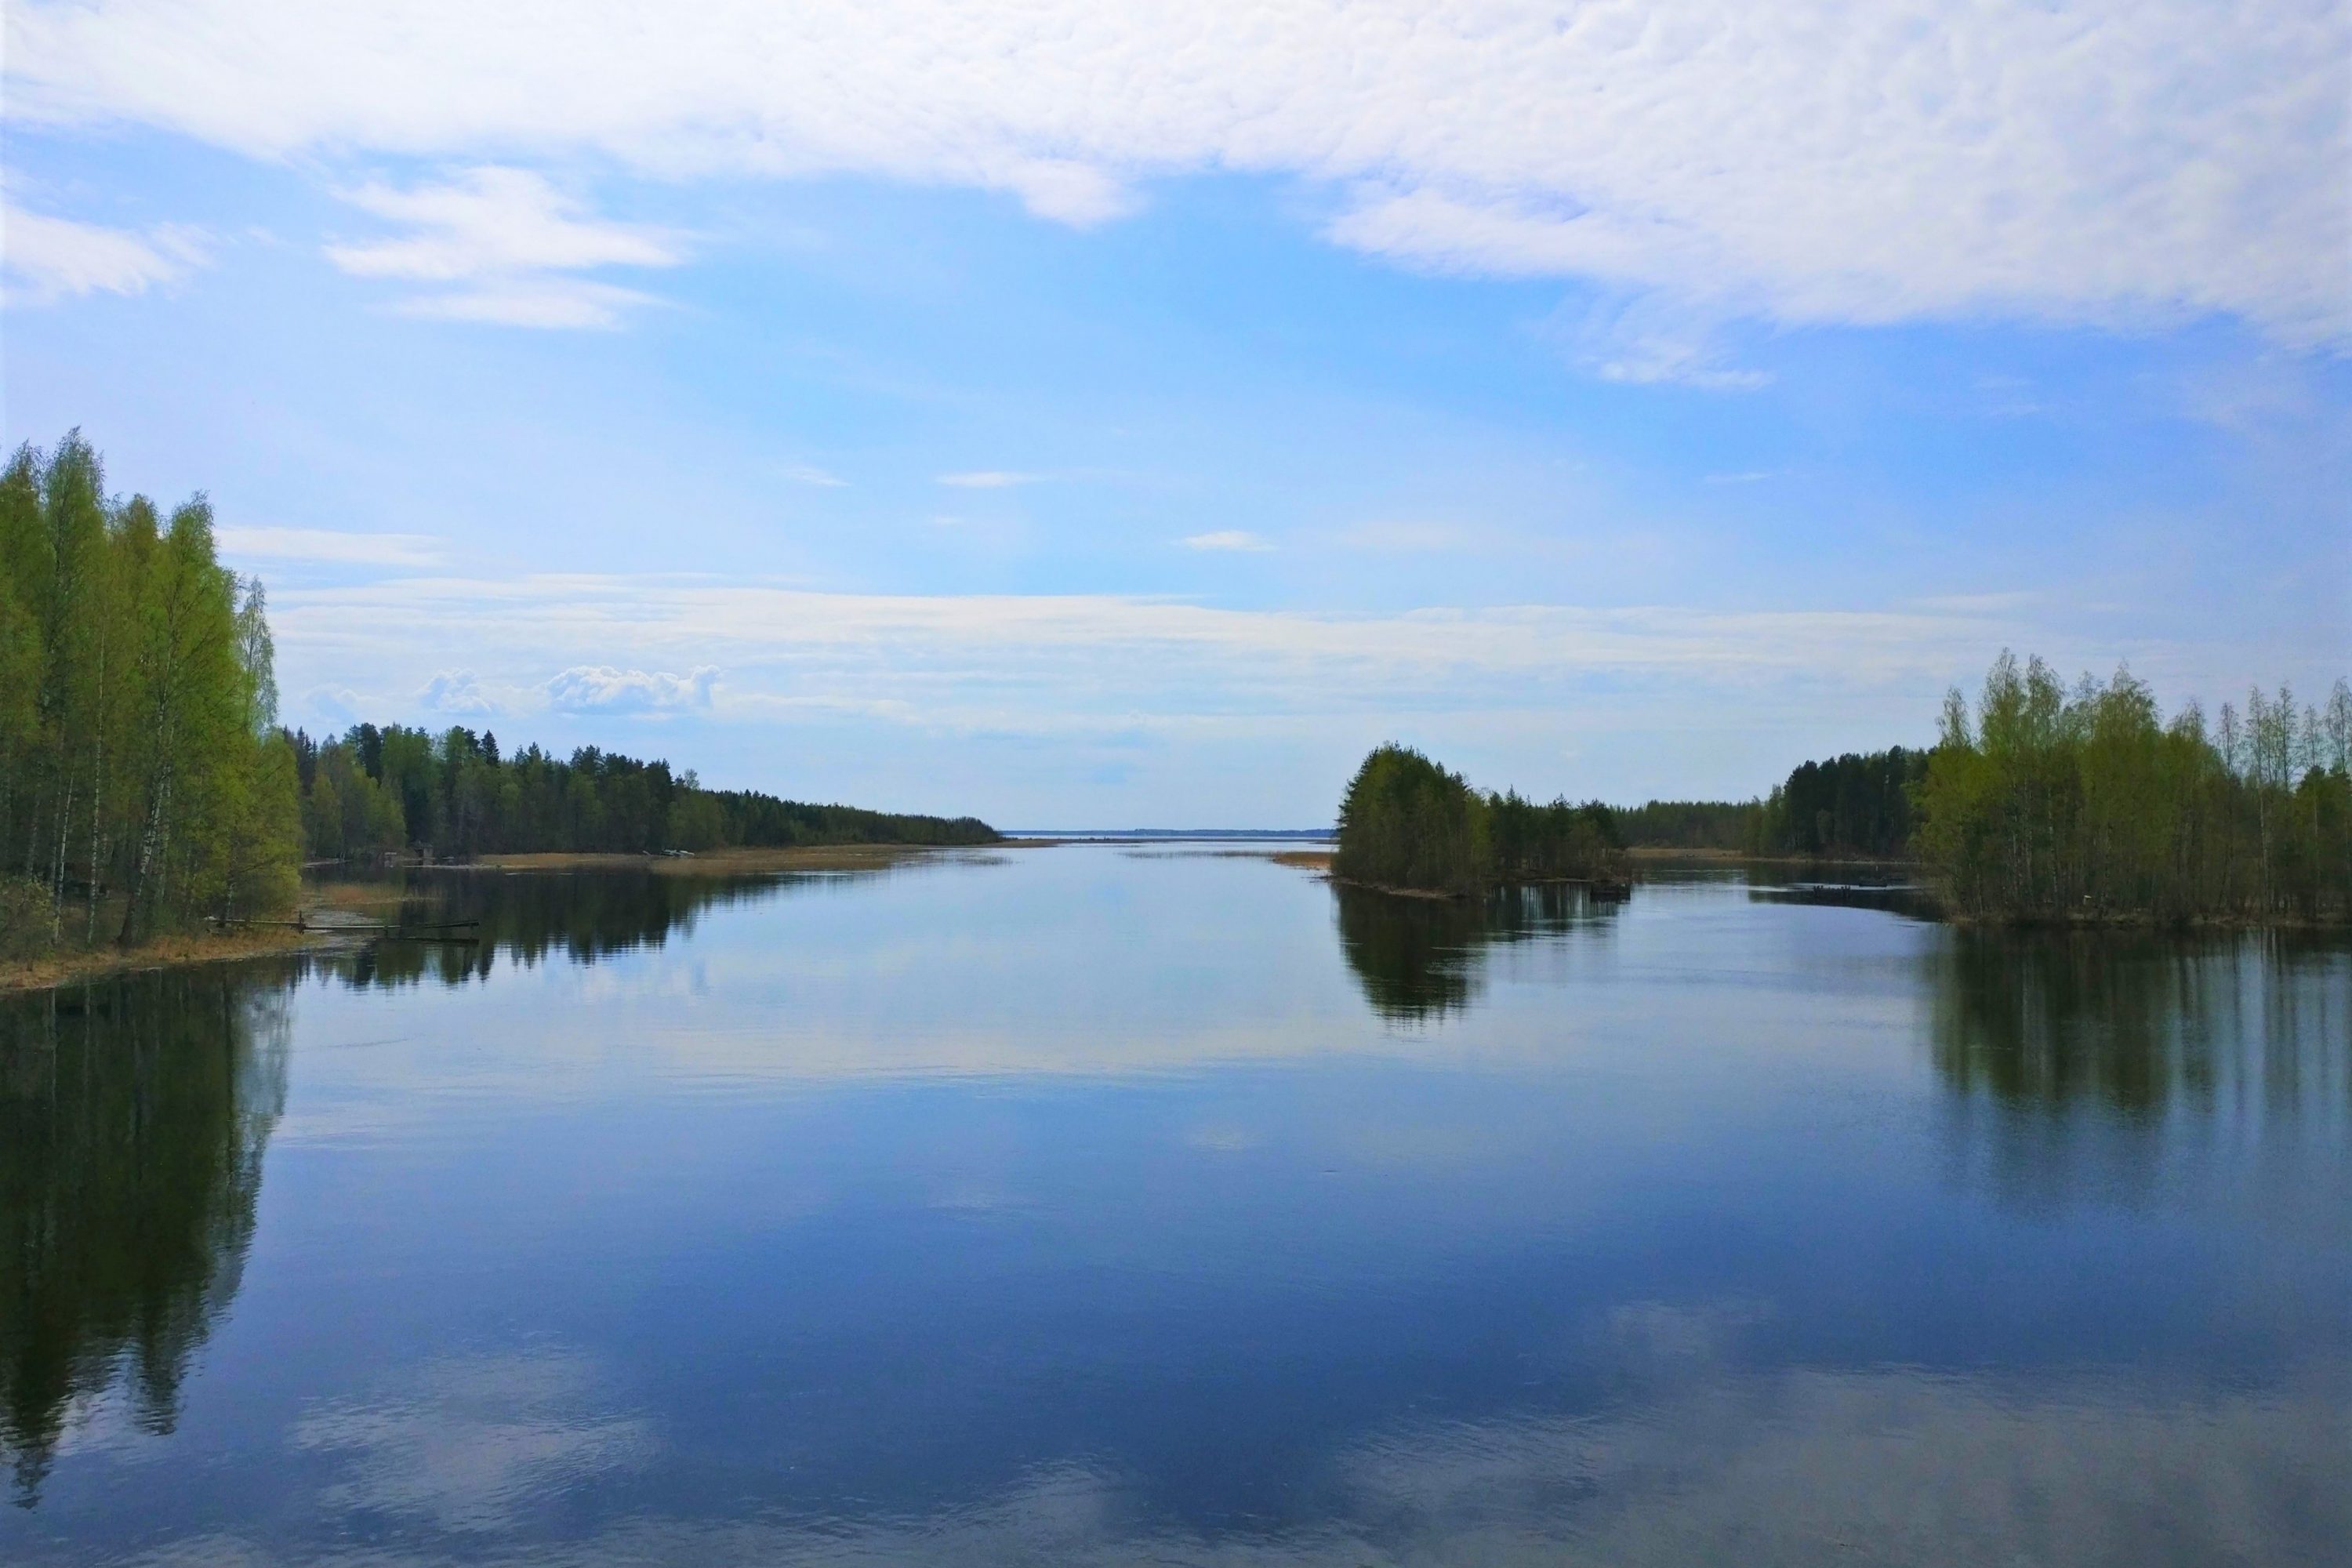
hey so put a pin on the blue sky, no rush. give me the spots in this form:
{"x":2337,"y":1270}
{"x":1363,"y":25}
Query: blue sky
{"x":1065,"y":419}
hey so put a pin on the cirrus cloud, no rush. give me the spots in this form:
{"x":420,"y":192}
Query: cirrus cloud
{"x":48,"y":258}
{"x":2117,"y":161}
{"x":504,"y":242}
{"x":329,"y":545}
{"x":1854,"y":161}
{"x":1226,"y":538}
{"x":600,"y":689}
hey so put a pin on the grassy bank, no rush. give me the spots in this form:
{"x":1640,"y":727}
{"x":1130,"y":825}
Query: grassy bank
{"x":161,"y":952}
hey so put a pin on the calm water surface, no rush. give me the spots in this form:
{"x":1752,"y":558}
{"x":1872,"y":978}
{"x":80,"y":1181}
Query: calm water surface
{"x":1097,"y":1204}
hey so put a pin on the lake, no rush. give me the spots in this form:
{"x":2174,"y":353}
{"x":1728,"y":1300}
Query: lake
{"x":1115,"y":1204}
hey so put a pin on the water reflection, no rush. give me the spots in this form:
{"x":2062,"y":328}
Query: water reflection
{"x":1076,"y":1211}
{"x":1421,"y":959}
{"x":2140,"y":1023}
{"x":133,"y":1119}
{"x":528,"y":917}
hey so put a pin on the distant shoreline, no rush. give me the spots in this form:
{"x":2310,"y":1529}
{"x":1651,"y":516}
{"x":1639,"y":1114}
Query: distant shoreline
{"x":788,"y":857}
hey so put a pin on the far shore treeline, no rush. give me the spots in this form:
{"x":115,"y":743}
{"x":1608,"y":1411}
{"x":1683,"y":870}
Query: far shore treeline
{"x":2040,"y":802}
{"x":145,"y":785}
{"x":379,"y":790}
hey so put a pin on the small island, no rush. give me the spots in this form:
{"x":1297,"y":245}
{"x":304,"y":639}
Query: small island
{"x":1408,"y":825}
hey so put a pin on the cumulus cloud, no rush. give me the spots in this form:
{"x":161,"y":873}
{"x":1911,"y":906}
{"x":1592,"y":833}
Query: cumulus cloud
{"x":505,"y":242}
{"x":1817,"y":161}
{"x":329,"y":545}
{"x":1233,"y":538}
{"x":49,"y":258}
{"x":599,"y":688}
{"x":459,"y":693}
{"x":335,"y":704}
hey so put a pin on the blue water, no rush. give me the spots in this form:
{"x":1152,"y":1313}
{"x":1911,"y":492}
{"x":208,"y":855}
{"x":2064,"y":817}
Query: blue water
{"x":1107,"y":1205}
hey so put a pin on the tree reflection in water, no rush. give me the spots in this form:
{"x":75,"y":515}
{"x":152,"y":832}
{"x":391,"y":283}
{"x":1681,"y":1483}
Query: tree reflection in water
{"x":2141,"y":1024}
{"x":527,"y":916}
{"x":133,"y":1115}
{"x":1419,"y":959}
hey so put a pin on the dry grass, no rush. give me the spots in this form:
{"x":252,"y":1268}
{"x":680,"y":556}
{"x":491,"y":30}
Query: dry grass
{"x":1659,"y":852}
{"x":166,"y":951}
{"x":1303,"y":859}
{"x":353,"y":896}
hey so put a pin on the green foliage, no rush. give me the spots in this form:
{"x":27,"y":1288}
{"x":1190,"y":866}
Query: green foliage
{"x":1853,"y":805}
{"x":138,"y":769}
{"x":1407,"y":823}
{"x":457,"y":794}
{"x":2046,"y":803}
{"x":1691,"y":824}
{"x":132,"y":1128}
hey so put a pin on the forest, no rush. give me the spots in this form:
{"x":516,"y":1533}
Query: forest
{"x":1852,"y":808}
{"x":378,"y":790}
{"x":1855,"y":807}
{"x":146,"y":785}
{"x":2041,"y":801}
{"x":1408,"y":824}
{"x":143,"y":779}
{"x":2045,"y":802}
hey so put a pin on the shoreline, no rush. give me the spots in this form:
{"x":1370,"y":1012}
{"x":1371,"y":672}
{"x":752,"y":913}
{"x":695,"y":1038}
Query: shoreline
{"x":790,"y":857}
{"x":177,"y":952}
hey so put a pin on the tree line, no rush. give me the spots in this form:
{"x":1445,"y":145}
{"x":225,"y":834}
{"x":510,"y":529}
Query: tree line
{"x":1855,"y":807}
{"x":146,"y":783}
{"x":2040,"y":802}
{"x":2045,"y":802}
{"x":1858,"y":806}
{"x":1406,"y":823}
{"x":143,"y":779}
{"x":376,"y":790}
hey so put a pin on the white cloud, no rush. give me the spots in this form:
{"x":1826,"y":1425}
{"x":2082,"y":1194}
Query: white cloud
{"x":1045,"y":659}
{"x":547,"y":302}
{"x":1691,"y":1461}
{"x":507,"y":239}
{"x":1235,"y":539}
{"x":1819,"y":160}
{"x":329,"y":545}
{"x":987,"y":479}
{"x":599,"y":688}
{"x":457,"y":691}
{"x":338,"y":705}
{"x":810,"y":473}
{"x":50,"y":259}
{"x":1650,"y":339}
{"x":465,"y":1440}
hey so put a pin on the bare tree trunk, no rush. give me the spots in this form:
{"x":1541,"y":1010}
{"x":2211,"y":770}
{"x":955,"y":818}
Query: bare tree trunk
{"x":57,"y":877}
{"x":150,"y":835}
{"x":96,"y":793}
